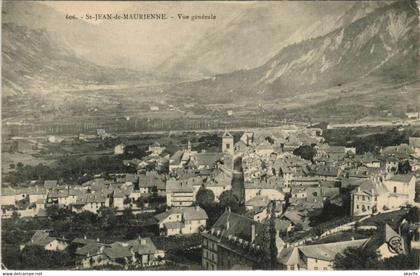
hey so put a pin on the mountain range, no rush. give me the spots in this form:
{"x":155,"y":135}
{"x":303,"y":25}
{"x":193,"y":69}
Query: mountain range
{"x":43,"y":52}
{"x":256,"y":34}
{"x":382,"y":44}
{"x":253,"y":53}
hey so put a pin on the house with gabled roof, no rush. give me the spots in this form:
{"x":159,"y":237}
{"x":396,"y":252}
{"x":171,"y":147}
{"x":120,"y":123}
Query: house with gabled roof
{"x":50,"y":184}
{"x":315,"y":256}
{"x":206,"y":160}
{"x":138,"y":252}
{"x":150,"y":181}
{"x":270,"y":187}
{"x":378,"y":194}
{"x":181,"y":192}
{"x":8,"y":196}
{"x":43,"y":239}
{"x":182,"y":221}
{"x":219,"y":182}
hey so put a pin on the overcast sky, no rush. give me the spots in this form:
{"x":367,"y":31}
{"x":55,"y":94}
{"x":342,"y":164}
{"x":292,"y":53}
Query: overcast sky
{"x":151,"y":42}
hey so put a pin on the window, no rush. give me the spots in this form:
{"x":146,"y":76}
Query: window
{"x":368,"y":207}
{"x":363,"y":197}
{"x":324,"y":268}
{"x":227,"y":146}
{"x":316,"y":261}
{"x":395,"y":189}
{"x":315,"y":268}
{"x":357,"y":206}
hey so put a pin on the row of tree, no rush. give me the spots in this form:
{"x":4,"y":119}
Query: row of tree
{"x":369,"y":259}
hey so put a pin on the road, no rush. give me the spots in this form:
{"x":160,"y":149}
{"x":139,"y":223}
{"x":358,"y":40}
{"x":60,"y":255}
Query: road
{"x":414,"y":122}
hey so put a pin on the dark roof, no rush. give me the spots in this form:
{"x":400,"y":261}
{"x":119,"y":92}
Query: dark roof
{"x":207,"y":158}
{"x":41,"y":238}
{"x":150,"y":179}
{"x":119,"y":250}
{"x":89,"y":249}
{"x":237,"y":225}
{"x":233,"y":232}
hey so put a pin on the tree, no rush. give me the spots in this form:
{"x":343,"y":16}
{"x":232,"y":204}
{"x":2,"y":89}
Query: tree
{"x":413,"y":215}
{"x":53,"y":212}
{"x":204,"y":197}
{"x":229,"y":199}
{"x":357,"y":258}
{"x":306,"y":152}
{"x":34,"y":257}
{"x":402,"y":262}
{"x":107,"y":217}
{"x":127,"y":215}
{"x":404,"y":167}
{"x":273,"y":232}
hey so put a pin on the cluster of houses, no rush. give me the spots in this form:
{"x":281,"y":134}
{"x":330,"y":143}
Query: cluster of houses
{"x":238,"y":242}
{"x":32,"y":201}
{"x":274,"y":176}
{"x":90,"y":253}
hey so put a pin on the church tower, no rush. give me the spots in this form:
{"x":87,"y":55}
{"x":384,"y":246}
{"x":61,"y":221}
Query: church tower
{"x":227,"y":143}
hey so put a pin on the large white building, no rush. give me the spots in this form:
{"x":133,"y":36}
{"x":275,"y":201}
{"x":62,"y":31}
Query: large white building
{"x":182,"y":220}
{"x":379,"y":194}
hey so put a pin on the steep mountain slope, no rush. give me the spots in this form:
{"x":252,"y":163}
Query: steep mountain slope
{"x":382,"y":44}
{"x":257,"y":33}
{"x":48,"y":53}
{"x":33,"y":62}
{"x":75,"y":34}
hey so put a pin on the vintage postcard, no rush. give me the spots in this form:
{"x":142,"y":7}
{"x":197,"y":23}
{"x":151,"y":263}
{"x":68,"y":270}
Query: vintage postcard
{"x":210,"y":135}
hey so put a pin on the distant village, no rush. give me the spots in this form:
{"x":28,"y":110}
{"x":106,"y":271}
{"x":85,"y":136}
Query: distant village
{"x":282,"y":187}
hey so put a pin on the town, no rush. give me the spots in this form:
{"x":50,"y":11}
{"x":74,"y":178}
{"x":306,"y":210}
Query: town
{"x":263,"y":198}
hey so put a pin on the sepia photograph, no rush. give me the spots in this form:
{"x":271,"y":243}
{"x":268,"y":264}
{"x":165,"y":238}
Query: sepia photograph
{"x":210,"y":135}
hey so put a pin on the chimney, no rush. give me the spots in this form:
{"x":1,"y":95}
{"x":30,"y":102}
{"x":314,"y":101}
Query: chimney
{"x":252,"y":232}
{"x":84,"y":237}
{"x":98,"y":240}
